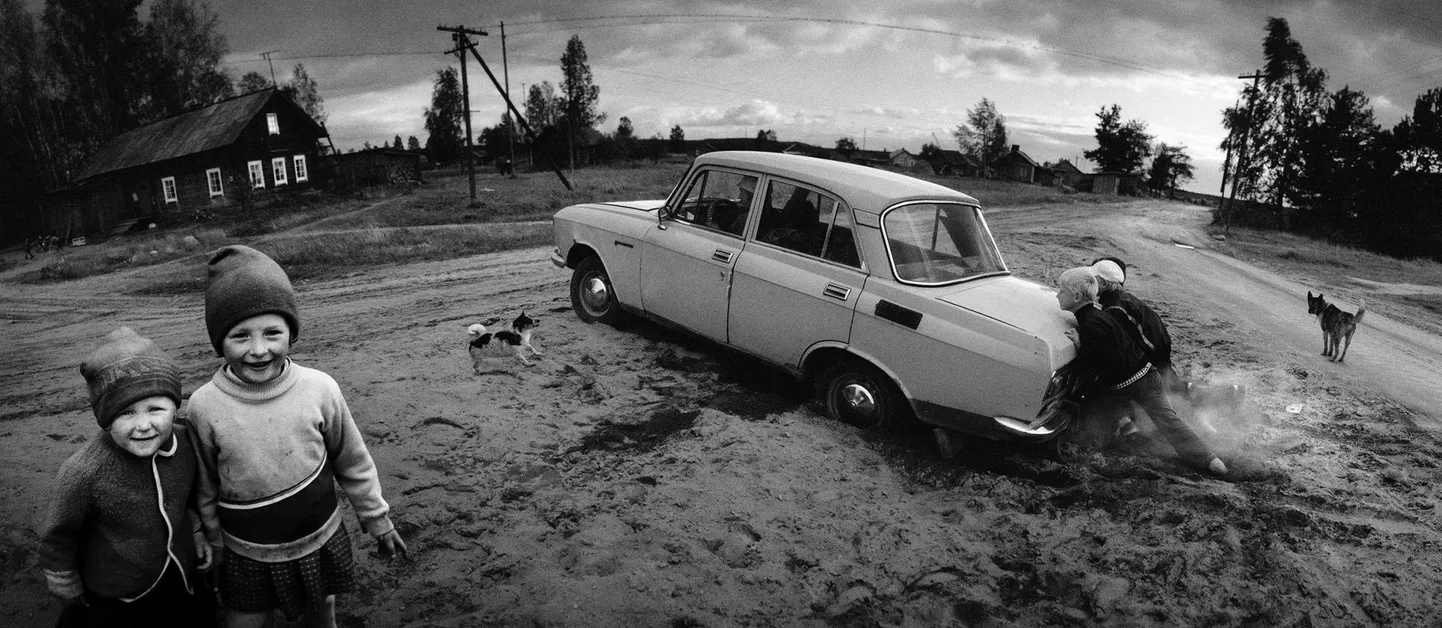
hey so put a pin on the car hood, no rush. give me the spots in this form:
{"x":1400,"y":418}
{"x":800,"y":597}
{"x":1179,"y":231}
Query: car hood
{"x":1027,"y":306}
{"x":641,"y":205}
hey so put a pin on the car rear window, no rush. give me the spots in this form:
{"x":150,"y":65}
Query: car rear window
{"x":937,"y":243}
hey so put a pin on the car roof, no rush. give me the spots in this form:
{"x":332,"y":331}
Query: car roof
{"x":862,"y":187}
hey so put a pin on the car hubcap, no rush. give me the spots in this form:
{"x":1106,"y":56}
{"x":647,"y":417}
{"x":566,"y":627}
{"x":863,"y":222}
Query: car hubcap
{"x":594,"y":294}
{"x":859,"y":401}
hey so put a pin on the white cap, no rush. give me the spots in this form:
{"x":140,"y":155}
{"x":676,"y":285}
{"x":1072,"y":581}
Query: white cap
{"x":1108,"y":270}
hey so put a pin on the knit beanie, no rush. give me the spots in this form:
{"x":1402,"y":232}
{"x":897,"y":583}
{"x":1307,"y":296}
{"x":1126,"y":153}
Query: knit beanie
{"x":1110,"y":271}
{"x":126,"y":369}
{"x":244,"y":282}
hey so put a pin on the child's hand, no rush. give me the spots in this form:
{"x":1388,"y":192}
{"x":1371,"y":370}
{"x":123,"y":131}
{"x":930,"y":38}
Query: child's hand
{"x":390,"y":543}
{"x":203,"y":552}
{"x":1071,"y":333}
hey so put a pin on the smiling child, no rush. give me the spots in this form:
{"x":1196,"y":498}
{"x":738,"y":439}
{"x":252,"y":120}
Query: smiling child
{"x":119,"y":543}
{"x":274,"y":438}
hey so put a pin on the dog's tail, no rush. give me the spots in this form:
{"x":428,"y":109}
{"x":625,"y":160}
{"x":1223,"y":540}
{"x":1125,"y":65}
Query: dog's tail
{"x":1361,"y":310}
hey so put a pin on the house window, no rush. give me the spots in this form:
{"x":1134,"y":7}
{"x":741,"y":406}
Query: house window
{"x":277,"y":166}
{"x":257,"y":174}
{"x":272,"y":122}
{"x":168,"y":185}
{"x":300,"y":172}
{"x":212,"y":177}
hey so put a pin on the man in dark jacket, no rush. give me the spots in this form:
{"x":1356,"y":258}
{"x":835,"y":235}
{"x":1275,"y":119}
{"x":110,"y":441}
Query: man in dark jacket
{"x":1122,"y":372}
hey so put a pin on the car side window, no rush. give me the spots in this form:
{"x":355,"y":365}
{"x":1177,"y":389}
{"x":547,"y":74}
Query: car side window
{"x":789,"y":219}
{"x":807,"y":222}
{"x":718,"y":200}
{"x":840,"y":238}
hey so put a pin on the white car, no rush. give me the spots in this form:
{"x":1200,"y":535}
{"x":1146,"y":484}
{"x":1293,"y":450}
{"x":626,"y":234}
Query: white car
{"x":885,"y":291}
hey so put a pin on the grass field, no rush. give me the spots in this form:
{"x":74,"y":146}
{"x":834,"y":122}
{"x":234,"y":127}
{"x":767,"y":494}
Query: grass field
{"x":316,"y":233}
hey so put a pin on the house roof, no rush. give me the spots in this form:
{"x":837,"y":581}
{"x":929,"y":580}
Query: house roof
{"x":956,"y":158}
{"x":192,"y":132}
{"x":1065,"y":166}
{"x":1015,"y":151}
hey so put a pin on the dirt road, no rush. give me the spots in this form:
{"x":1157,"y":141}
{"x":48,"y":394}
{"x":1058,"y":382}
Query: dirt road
{"x":639,"y":478}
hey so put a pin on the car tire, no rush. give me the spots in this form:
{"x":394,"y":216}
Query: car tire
{"x":858,"y":394}
{"x":592,"y":295}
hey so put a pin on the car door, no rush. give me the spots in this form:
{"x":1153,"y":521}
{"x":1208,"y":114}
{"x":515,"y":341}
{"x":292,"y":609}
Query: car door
{"x":800,"y":278}
{"x":688,"y":259}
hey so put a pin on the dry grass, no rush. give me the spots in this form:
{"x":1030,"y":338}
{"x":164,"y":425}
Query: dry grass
{"x":408,"y":226}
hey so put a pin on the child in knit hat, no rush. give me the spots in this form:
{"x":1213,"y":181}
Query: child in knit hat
{"x":274,"y":439}
{"x":120,"y":540}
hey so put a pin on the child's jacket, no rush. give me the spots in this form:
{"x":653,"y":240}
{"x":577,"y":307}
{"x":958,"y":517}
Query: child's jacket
{"x":269,"y":454}
{"x":117,"y":521}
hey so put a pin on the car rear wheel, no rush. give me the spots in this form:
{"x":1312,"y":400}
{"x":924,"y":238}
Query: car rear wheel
{"x":592,"y":295}
{"x":858,"y":394}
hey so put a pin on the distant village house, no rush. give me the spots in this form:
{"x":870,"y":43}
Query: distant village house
{"x":228,"y":154}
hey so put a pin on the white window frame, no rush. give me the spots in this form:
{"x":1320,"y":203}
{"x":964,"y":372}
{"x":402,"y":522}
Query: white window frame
{"x":301,"y":174}
{"x":215,"y":182}
{"x":257,"y":174}
{"x":277,"y":168}
{"x":167,"y":187}
{"x":272,"y":123}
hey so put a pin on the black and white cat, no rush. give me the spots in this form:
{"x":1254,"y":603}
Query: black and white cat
{"x":512,"y":342}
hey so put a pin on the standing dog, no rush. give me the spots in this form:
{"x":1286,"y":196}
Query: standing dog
{"x":513,"y":342}
{"x":1336,"y":325}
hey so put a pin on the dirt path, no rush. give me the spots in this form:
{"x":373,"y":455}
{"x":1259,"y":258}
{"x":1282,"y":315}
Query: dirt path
{"x":639,"y":478}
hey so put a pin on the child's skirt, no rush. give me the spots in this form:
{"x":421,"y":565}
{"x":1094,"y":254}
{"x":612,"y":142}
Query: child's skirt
{"x":296,"y":587}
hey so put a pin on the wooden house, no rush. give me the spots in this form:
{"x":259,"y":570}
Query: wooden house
{"x":1015,"y":165}
{"x":1063,"y":172}
{"x":950,"y":162}
{"x":226,"y":155}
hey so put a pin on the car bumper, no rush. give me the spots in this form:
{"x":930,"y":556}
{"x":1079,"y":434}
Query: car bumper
{"x":557,"y":260}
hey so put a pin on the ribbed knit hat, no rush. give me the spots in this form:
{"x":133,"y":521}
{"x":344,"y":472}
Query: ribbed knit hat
{"x":244,"y":282}
{"x":126,"y":369}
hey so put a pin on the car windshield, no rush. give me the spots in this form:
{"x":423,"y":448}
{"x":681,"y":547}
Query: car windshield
{"x":936,"y":243}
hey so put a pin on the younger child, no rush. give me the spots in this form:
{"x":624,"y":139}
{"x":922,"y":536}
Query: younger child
{"x":1122,"y":373}
{"x":119,"y":544}
{"x":274,"y":438}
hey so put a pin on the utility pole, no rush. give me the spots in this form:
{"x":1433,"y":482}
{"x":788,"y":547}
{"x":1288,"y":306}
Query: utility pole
{"x":511,"y":128}
{"x":531,"y":134}
{"x":1242,"y":155}
{"x":462,"y":37}
{"x":266,"y":56}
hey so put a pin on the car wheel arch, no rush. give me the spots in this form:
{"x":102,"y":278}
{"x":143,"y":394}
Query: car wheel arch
{"x":823,"y":356}
{"x":578,"y":252}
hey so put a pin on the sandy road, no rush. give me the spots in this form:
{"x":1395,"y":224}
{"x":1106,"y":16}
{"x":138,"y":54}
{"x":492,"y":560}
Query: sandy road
{"x":1390,"y":356}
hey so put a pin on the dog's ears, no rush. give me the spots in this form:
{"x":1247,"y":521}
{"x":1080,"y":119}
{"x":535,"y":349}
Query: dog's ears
{"x":1309,"y":295}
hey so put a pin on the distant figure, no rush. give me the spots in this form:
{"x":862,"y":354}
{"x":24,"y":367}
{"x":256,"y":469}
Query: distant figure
{"x":505,"y":167}
{"x":30,"y":247}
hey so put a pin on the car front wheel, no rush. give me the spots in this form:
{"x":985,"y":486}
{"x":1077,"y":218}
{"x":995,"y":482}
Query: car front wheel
{"x":592,"y":295}
{"x":860,"y":395}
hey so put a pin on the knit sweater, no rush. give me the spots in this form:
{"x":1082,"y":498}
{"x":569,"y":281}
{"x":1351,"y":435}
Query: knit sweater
{"x":117,"y":521}
{"x":270,"y":456}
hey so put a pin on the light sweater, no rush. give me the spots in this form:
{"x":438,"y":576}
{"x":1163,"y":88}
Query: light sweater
{"x":270,"y":456}
{"x":118,"y":521}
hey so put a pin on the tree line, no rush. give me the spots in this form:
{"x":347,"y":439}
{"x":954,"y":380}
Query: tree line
{"x":1325,"y":165}
{"x":82,"y":72}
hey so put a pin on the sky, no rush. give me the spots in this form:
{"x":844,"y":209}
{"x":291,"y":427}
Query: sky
{"x":890,"y":75}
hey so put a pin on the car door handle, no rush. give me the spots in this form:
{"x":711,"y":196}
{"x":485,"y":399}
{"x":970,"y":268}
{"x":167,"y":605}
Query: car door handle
{"x":836,"y":292}
{"x":722,"y":255}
